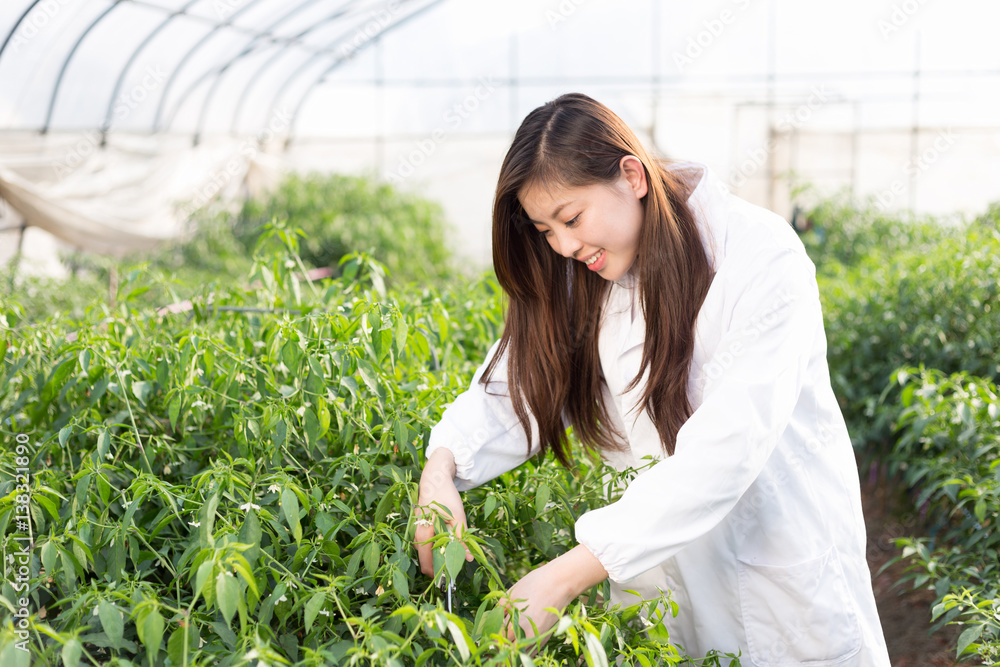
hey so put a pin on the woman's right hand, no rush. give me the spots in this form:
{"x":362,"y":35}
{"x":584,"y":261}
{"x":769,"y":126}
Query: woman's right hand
{"x":437,"y":487}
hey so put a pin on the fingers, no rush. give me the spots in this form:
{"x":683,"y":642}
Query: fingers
{"x":425,"y":554}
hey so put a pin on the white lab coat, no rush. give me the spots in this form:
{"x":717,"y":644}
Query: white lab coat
{"x":755,"y":522}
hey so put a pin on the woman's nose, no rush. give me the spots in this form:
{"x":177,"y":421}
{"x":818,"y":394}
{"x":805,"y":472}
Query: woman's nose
{"x":565,"y":243}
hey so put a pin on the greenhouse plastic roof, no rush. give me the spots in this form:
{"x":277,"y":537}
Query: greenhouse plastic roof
{"x":186,"y":66}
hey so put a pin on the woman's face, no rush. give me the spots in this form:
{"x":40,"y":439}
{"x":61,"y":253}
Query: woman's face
{"x":595,"y":224}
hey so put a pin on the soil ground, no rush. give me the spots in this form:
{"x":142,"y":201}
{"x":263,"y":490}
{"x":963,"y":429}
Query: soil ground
{"x":905,"y":613}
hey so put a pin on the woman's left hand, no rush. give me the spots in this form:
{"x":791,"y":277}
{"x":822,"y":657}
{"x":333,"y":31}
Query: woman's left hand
{"x":555,"y":584}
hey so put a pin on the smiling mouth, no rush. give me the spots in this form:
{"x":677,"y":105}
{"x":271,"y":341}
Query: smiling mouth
{"x":596,"y":256}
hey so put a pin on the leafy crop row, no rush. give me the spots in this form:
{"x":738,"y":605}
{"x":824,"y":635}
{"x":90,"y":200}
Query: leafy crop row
{"x":949,"y":450}
{"x":903,"y":294}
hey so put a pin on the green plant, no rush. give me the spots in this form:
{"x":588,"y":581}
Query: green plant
{"x":341,"y":214}
{"x":948,"y":453}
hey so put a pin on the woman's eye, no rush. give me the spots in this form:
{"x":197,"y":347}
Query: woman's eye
{"x":573,"y":221}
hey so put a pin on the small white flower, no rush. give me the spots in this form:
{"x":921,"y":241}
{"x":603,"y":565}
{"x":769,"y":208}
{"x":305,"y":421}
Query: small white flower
{"x":301,"y":411}
{"x":274,"y":488}
{"x":324,"y":612}
{"x":392,"y":515}
{"x":109,"y":456}
{"x":258,"y":344}
{"x":292,"y":584}
{"x":246,"y":507}
{"x":282,"y":368}
{"x":194,"y":523}
{"x":126,"y":372}
{"x":289,"y":263}
{"x":199,"y":404}
{"x":282,"y":598}
{"x":241,"y":377}
{"x":230,"y":574}
{"x":199,"y":371}
{"x":422,"y":387}
{"x":359,"y":590}
{"x":95,"y":611}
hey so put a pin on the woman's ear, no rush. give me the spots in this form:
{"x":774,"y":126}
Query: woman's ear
{"x":635,"y":174}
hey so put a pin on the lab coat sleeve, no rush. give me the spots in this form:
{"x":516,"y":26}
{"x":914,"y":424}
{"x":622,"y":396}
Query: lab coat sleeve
{"x":481,"y":429}
{"x":753,"y":383}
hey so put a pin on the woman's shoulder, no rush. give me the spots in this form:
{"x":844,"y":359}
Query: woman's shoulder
{"x":734,"y":230}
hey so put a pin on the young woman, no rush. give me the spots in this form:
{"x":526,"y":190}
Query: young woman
{"x":661,"y":316}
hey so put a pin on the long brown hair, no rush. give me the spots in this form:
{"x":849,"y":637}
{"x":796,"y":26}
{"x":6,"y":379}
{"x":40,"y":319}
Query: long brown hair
{"x":554,"y":303}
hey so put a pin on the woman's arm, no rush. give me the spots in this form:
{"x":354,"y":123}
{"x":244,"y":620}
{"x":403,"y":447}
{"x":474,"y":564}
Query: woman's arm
{"x":477,"y":439}
{"x":482,"y":431}
{"x":723,"y":446}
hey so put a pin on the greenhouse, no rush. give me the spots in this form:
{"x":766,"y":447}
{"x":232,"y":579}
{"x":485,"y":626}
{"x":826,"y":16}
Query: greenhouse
{"x":259,"y":259}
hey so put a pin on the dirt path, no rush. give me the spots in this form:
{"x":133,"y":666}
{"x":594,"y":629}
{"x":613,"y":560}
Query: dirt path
{"x":905,"y":613}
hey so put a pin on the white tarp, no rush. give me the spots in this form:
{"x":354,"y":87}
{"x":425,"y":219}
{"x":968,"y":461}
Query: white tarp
{"x":130,"y":195}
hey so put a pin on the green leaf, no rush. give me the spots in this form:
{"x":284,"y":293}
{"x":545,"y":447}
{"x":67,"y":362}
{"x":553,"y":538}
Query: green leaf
{"x":373,"y":555}
{"x":227,"y":592}
{"x":596,"y":657}
{"x":142,"y":390}
{"x":454,"y":558}
{"x":250,"y":533}
{"x":208,"y":518}
{"x":401,"y":432}
{"x":151,"y":633}
{"x":49,"y":554}
{"x":111,"y":621}
{"x":542,"y":496}
{"x":489,"y":506}
{"x":459,"y":637}
{"x":202,"y":576}
{"x":493,"y":621}
{"x":313,"y":608}
{"x":401,"y":332}
{"x":290,"y":508}
{"x":401,"y":584}
{"x":64,"y":434}
{"x":367,"y":374}
{"x":311,"y":426}
{"x":174,"y":411}
{"x":176,"y":648}
{"x":967,"y":638}
{"x":103,"y":445}
{"x":71,"y":652}
{"x":980,"y":510}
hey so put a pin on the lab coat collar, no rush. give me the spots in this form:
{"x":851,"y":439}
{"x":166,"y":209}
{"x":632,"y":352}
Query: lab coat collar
{"x":707,"y":203}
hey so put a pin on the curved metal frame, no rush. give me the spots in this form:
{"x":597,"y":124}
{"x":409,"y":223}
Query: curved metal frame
{"x":187,"y":56}
{"x":259,"y":73}
{"x":69,"y":57}
{"x":253,"y":45}
{"x":17,"y":24}
{"x":249,"y":47}
{"x":106,"y":125}
{"x":322,"y":77}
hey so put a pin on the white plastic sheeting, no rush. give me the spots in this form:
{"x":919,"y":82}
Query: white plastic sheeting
{"x":892,"y":96}
{"x":130,"y":196}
